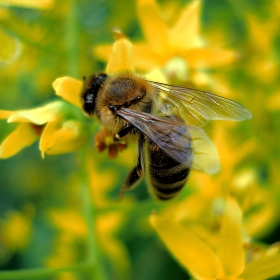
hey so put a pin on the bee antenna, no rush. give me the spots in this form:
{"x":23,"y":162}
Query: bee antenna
{"x":84,"y":78}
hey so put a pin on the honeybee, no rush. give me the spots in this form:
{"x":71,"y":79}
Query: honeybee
{"x":160,"y":117}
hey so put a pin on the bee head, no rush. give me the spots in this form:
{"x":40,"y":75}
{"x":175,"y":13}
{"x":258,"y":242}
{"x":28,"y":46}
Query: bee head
{"x":90,"y":92}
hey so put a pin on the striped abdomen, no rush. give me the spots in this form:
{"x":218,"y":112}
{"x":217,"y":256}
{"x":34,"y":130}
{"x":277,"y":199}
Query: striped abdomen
{"x":167,"y":176}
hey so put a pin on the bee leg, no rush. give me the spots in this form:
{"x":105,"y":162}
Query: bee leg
{"x":127,"y":129}
{"x":136,"y":173}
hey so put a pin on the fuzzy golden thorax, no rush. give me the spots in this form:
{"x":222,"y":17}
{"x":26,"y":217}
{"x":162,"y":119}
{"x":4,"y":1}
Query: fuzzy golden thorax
{"x":125,"y":90}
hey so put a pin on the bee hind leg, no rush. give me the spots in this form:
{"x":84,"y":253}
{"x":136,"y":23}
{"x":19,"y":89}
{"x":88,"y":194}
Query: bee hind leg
{"x":131,"y":180}
{"x":136,"y":173}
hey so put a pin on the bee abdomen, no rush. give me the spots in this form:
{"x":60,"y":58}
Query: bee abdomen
{"x":167,"y":183}
{"x":167,"y":176}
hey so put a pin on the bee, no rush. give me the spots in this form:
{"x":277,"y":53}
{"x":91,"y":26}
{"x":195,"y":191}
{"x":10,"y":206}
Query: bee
{"x":165,"y":120}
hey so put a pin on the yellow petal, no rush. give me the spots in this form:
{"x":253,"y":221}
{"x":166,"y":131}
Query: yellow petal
{"x":121,"y":58}
{"x":188,"y":248}
{"x":69,"y":89}
{"x":230,"y":248}
{"x":41,"y":4}
{"x":38,"y":116}
{"x":185,"y":34}
{"x":5,"y":114}
{"x":263,"y":268}
{"x":102,"y":52}
{"x":60,"y":138}
{"x":152,"y":25}
{"x":157,"y":76}
{"x":146,"y":59}
{"x":208,"y":58}
{"x":50,"y":129}
{"x":24,"y":135}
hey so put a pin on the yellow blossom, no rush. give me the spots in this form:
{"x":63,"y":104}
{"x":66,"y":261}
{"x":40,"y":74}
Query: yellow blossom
{"x":121,"y":59}
{"x":263,"y":60}
{"x":48,"y":123}
{"x":11,"y":46}
{"x":73,"y":231}
{"x":259,"y":206}
{"x":224,"y":259}
{"x":164,"y":43}
{"x":14,"y":223}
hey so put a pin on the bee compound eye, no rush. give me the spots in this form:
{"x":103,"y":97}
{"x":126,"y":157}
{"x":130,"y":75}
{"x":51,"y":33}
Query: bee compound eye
{"x":89,"y":98}
{"x":88,"y":103}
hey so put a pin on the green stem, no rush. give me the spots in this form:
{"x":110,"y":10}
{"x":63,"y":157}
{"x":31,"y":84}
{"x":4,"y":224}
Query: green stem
{"x":90,"y":213}
{"x":72,"y":39}
{"x":41,"y":273}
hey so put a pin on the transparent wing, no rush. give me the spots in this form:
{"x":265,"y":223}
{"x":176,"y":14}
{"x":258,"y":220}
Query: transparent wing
{"x":196,"y":106}
{"x":188,"y":145}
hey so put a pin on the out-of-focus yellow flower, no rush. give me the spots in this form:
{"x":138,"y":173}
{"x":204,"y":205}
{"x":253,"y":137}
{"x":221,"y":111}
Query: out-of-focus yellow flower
{"x":164,"y":43}
{"x":42,"y":4}
{"x":259,"y":206}
{"x":49,"y":123}
{"x":72,"y":226}
{"x":262,"y":33}
{"x":273,"y":101}
{"x":231,"y":155}
{"x":16,"y":222}
{"x":15,"y":231}
{"x":224,"y":259}
{"x":263,"y":63}
{"x":73,"y":232}
{"x":10,"y":48}
{"x":100,"y":188}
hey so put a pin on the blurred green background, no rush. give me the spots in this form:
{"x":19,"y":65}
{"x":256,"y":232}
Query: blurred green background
{"x":40,"y":45}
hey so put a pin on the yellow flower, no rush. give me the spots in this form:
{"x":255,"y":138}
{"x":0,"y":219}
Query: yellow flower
{"x":14,"y":223}
{"x":224,"y":259}
{"x":73,"y":231}
{"x":263,"y":55}
{"x":165,"y":43}
{"x":51,"y":123}
{"x":258,"y":204}
{"x":11,"y":47}
{"x":106,"y":221}
{"x":121,"y":59}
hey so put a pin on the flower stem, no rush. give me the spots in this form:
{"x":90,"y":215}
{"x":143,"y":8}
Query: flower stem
{"x":40,"y":273}
{"x":72,"y":39}
{"x":94,"y":256}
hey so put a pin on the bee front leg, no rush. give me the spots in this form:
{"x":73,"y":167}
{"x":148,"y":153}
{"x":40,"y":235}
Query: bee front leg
{"x":127,"y":129}
{"x":136,"y":173}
